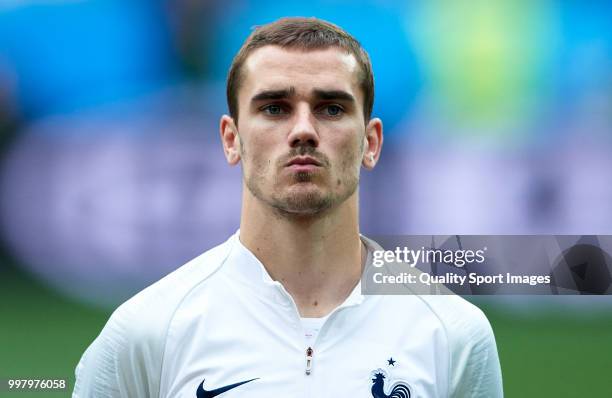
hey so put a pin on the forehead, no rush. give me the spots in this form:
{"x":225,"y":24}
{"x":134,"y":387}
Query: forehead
{"x":273,"y":67}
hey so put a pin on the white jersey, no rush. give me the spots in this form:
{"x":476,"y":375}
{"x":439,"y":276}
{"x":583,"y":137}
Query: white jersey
{"x":220,"y":326}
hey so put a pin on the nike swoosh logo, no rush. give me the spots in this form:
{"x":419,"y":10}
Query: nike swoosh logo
{"x":202,"y":393}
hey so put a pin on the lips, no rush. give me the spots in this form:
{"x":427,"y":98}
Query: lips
{"x":303,"y":161}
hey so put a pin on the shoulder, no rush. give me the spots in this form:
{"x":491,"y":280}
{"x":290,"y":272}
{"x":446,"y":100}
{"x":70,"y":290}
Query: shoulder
{"x":456,"y":314}
{"x":474,"y":368}
{"x":126,"y":358}
{"x":145,"y":315}
{"x":162,"y":297}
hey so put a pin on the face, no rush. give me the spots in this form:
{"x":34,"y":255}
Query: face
{"x":301,"y":135}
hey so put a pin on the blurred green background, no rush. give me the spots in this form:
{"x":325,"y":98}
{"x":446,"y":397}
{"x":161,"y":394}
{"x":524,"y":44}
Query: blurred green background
{"x":44,"y":334}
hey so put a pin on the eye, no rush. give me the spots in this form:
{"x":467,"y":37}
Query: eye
{"x":332,"y":110}
{"x":273,"y":109}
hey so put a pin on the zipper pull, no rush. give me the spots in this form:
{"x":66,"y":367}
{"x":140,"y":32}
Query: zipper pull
{"x":309,"y":353}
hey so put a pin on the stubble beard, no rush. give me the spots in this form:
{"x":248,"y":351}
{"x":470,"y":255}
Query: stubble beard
{"x":299,"y":200}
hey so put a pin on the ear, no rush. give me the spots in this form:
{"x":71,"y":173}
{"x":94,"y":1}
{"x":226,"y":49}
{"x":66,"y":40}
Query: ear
{"x":373,"y":141}
{"x":230,"y":140}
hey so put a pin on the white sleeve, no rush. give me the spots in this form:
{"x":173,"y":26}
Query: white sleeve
{"x":475,"y":368}
{"x":127,"y":357}
{"x":96,"y":373}
{"x":123,"y":361}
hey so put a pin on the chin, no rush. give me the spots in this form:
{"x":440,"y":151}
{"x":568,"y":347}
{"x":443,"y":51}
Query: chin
{"x":306,"y":202}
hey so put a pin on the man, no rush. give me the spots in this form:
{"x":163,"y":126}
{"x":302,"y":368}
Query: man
{"x":277,"y":310}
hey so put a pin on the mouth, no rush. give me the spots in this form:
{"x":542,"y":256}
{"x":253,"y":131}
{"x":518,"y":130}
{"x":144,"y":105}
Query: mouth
{"x":303,"y":163}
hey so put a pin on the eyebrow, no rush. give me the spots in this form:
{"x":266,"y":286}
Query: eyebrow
{"x":268,"y":95}
{"x":320,"y":94}
{"x":333,"y":95}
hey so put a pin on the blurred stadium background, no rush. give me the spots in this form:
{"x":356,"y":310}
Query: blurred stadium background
{"x":498,"y":120}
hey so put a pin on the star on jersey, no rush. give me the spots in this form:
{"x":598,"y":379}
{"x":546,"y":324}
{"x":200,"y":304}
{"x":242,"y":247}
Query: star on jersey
{"x":391,"y":361}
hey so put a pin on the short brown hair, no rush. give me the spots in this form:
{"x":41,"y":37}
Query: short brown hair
{"x":304,"y":34}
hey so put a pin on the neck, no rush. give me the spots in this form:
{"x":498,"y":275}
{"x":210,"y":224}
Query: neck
{"x":317,"y":258}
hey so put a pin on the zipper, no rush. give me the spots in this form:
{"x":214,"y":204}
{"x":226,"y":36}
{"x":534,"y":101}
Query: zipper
{"x":309,"y":350}
{"x":309,"y":353}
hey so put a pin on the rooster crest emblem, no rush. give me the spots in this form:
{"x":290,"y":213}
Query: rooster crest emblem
{"x":399,"y":389}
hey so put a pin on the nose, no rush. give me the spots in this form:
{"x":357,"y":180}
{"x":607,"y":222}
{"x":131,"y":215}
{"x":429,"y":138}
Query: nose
{"x":303,"y":131}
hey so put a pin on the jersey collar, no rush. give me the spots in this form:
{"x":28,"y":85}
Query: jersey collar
{"x":252,"y":272}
